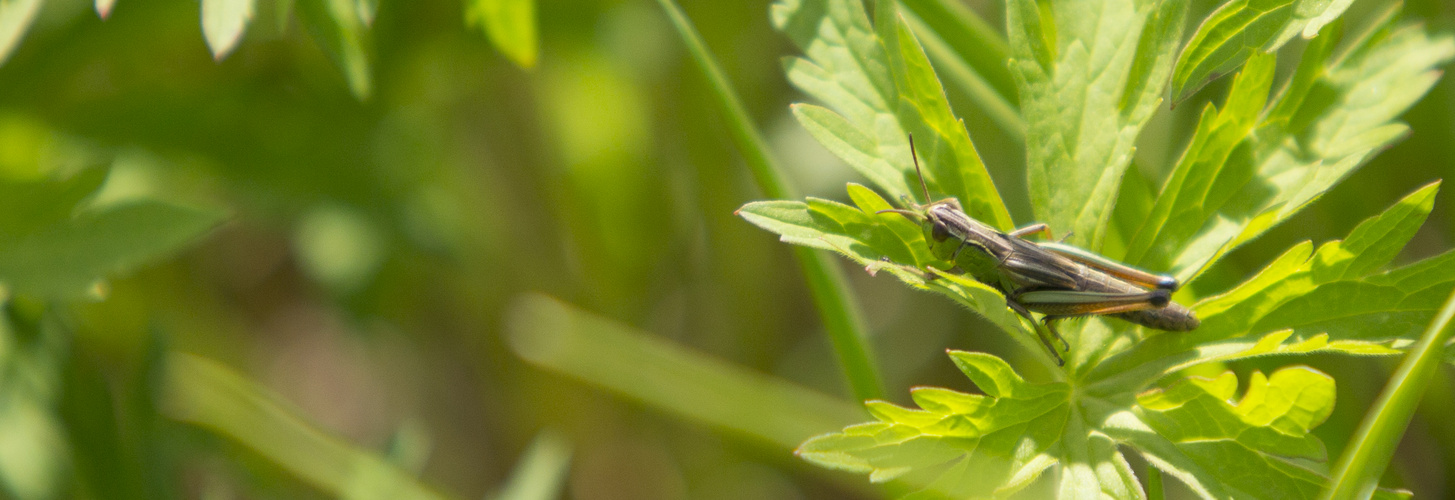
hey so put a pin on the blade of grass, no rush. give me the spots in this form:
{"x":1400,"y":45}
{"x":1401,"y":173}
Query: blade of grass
{"x":837,"y":308}
{"x":1357,"y":473}
{"x":205,"y":393}
{"x":962,"y":74}
{"x":613,"y":356}
{"x":541,"y":472}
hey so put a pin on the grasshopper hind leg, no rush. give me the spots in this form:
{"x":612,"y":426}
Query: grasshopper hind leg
{"x":1047,"y":321}
{"x":1044,"y":331}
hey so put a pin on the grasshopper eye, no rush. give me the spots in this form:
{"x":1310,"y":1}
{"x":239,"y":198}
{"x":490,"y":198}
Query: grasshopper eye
{"x":940,"y":232}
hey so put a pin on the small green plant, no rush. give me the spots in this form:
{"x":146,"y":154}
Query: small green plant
{"x":1090,"y":74}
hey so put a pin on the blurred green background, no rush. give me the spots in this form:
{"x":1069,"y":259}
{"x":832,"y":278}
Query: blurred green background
{"x":378,"y":249}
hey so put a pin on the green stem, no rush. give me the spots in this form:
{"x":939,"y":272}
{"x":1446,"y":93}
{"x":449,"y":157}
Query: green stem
{"x":1357,"y":473}
{"x":826,"y":281}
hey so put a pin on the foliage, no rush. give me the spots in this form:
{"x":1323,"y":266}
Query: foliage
{"x":1087,"y":90}
{"x":348,"y":248}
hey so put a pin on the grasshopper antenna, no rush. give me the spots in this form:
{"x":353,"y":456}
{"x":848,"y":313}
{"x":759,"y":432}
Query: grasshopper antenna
{"x":914,"y":156}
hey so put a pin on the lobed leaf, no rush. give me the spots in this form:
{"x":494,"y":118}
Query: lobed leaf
{"x":1329,"y":299}
{"x":1184,"y":202}
{"x":882,"y":242}
{"x":1331,"y":118}
{"x":879,"y":89}
{"x":1194,"y":431}
{"x":956,"y":444}
{"x":1090,"y":76}
{"x":1232,"y":34}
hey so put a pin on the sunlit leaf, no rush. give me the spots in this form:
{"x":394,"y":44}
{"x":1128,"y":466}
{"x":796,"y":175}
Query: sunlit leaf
{"x":1333,"y":117}
{"x":956,"y":444}
{"x":1309,"y":17}
{"x":103,"y":8}
{"x":1225,"y":449}
{"x":880,"y":242}
{"x":15,"y":19}
{"x":223,"y":22}
{"x":1332,"y":299}
{"x":1091,"y":73}
{"x":878,"y":92}
{"x":1227,"y":38}
{"x":510,"y":25}
{"x":1183,"y":204}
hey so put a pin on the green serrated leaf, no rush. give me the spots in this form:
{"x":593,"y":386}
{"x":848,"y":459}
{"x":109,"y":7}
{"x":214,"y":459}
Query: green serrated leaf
{"x":942,"y":143}
{"x":1331,"y":299}
{"x":338,"y":27}
{"x":879,"y":89}
{"x":882,"y":242}
{"x":1321,"y":127}
{"x":510,"y":25}
{"x":956,"y":444}
{"x":64,"y":259}
{"x":1231,"y":35}
{"x":1183,"y":204}
{"x":1090,"y":77}
{"x":223,"y":23}
{"x":1198,"y":429}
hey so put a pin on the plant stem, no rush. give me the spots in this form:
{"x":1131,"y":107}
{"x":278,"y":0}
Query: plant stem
{"x":826,"y":282}
{"x":1357,"y":473}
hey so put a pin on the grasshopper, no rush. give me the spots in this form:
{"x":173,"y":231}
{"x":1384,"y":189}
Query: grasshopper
{"x":1056,"y":280}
